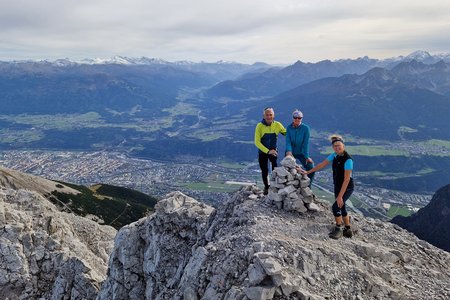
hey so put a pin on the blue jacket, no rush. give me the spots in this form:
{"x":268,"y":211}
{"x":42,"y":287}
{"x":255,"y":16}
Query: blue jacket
{"x":297,"y":140}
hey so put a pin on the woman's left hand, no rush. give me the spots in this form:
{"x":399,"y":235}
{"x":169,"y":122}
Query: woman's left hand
{"x":340,"y":202}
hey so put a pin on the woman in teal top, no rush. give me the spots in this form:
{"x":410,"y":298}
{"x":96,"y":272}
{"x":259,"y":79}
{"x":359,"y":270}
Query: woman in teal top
{"x":297,"y":142}
{"x":342,"y":164}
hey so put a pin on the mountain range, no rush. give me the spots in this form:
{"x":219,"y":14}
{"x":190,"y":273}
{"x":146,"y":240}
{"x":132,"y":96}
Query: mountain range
{"x":377,"y":103}
{"x":148,"y":107}
{"x":277,"y":80}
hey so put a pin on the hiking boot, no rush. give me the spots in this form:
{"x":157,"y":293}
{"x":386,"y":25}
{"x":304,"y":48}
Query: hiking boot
{"x":266,"y":190}
{"x":348,"y":233}
{"x":336,"y":233}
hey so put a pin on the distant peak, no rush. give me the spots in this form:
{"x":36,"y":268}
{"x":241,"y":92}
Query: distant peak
{"x":123,"y":60}
{"x":419,"y":55}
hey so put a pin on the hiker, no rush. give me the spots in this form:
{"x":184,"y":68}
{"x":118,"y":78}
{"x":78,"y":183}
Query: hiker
{"x":297,"y":142}
{"x":266,"y":133}
{"x":342,"y":164}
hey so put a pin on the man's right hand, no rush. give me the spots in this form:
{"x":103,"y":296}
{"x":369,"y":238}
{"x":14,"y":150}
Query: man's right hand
{"x":289,"y":153}
{"x":273,"y":152}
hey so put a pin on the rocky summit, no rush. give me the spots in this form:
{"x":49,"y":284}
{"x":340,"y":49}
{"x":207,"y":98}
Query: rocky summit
{"x":48,"y":254}
{"x":250,"y":249}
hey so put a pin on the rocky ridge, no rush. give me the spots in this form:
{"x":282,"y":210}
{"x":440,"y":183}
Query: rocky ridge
{"x":432,"y":222}
{"x":250,"y":249}
{"x":18,"y":180}
{"x":48,"y":254}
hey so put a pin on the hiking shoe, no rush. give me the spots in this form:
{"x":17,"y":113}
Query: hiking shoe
{"x":266,"y":191}
{"x":336,"y":233}
{"x":348,"y":233}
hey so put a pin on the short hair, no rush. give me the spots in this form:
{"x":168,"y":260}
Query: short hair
{"x":268,"y":108}
{"x":297,"y":113}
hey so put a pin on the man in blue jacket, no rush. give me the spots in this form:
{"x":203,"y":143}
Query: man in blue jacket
{"x":297,"y":142}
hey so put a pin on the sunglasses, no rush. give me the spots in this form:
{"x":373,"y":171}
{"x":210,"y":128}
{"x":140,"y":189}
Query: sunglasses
{"x":298,"y":118}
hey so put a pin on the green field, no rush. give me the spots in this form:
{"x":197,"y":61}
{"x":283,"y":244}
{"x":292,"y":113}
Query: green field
{"x":398,"y":210}
{"x":182,"y":108}
{"x":385,"y":174}
{"x":442,"y":143}
{"x":209,"y":136}
{"x":231,"y":165}
{"x":212,"y":186}
{"x":323,"y":195}
{"x":371,"y":150}
{"x":8,"y":136}
{"x":58,"y":121}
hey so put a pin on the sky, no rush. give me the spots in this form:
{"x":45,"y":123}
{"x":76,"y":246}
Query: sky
{"x":247,"y":31}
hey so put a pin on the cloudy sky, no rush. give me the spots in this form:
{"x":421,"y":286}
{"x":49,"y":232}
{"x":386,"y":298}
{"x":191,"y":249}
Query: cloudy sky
{"x":273,"y":31}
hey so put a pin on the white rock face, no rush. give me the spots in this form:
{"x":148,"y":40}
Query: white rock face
{"x":249,"y":249}
{"x":47,"y":254}
{"x":154,"y":257}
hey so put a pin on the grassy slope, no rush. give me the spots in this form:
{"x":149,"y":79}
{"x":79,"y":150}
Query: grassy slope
{"x":117,"y":206}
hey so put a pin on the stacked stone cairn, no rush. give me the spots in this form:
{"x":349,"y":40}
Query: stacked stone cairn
{"x":289,"y":189}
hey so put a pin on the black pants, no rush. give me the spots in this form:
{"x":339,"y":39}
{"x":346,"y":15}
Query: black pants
{"x":264,"y":165}
{"x":341,"y":211}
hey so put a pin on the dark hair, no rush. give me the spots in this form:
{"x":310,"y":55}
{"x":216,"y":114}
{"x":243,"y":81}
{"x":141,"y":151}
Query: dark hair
{"x":336,"y":138}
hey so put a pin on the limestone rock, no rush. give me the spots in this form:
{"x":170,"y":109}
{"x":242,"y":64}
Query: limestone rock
{"x":280,"y":172}
{"x":48,"y":254}
{"x":259,"y":293}
{"x":290,"y":190}
{"x":289,"y":162}
{"x":248,"y":250}
{"x":160,"y":246}
{"x":244,"y":249}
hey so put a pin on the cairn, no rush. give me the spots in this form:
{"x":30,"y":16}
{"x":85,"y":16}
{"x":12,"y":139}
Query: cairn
{"x":289,"y":189}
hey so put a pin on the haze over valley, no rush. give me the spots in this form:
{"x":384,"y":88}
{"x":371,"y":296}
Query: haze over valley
{"x":190,"y":126}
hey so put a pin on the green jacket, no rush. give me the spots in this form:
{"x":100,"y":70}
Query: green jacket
{"x":266,"y":135}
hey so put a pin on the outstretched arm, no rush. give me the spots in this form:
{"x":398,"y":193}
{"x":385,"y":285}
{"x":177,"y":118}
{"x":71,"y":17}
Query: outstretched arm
{"x":320,"y":166}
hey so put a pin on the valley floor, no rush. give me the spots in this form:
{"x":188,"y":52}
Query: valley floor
{"x":208,"y":181}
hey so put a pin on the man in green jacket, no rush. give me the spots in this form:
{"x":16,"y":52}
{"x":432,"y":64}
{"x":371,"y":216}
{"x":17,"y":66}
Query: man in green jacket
{"x":266,"y":134}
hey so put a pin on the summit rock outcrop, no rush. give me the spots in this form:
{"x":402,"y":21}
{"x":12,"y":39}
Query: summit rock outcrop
{"x":250,"y":249}
{"x":49,"y":254}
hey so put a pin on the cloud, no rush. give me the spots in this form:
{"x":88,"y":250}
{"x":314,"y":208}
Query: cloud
{"x":252,"y":30}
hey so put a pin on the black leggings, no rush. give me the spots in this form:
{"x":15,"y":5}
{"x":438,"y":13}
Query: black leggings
{"x":337,"y":212}
{"x":263,"y":159}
